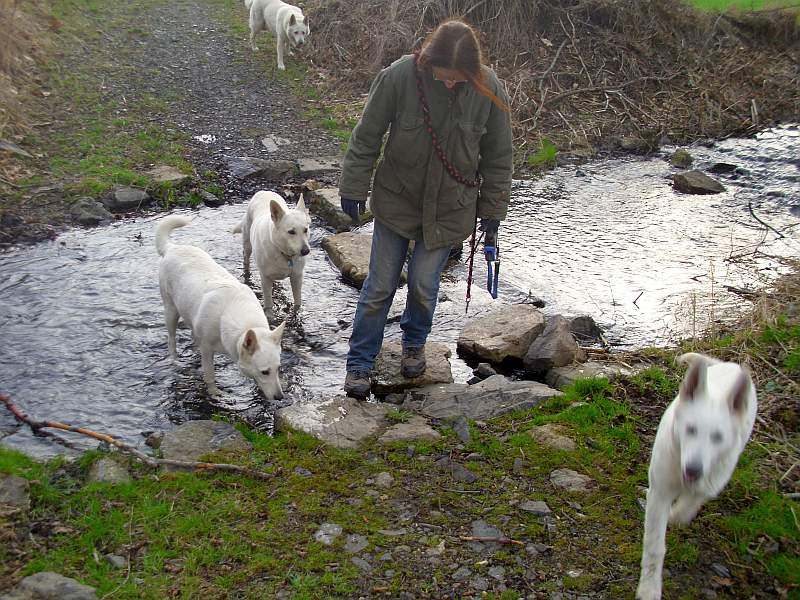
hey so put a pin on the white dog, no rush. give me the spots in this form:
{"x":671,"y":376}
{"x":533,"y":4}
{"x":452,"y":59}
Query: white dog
{"x":223,"y":313}
{"x":285,"y":21}
{"x":697,"y":445}
{"x":279,"y":237}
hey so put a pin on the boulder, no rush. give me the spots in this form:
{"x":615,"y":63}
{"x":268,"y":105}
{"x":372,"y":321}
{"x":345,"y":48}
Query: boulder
{"x":14,"y":493}
{"x":562,"y":377}
{"x":339,"y":421}
{"x":491,"y":397}
{"x":325,"y":204}
{"x":696,"y":182}
{"x":125,"y":198}
{"x":350,"y":253}
{"x":415,"y":429}
{"x":107,"y":470}
{"x":164,"y":174}
{"x":387,"y":376}
{"x":555,"y":347}
{"x":195,"y":439}
{"x":89,"y":212}
{"x":552,"y":436}
{"x":246,"y":167}
{"x":584,"y":328}
{"x":572,"y":481}
{"x":210,"y":199}
{"x":49,"y":586}
{"x":321,"y":165}
{"x":502,"y":334}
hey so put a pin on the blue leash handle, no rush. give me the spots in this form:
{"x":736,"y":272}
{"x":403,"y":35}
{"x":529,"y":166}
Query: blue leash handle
{"x":492,"y":254}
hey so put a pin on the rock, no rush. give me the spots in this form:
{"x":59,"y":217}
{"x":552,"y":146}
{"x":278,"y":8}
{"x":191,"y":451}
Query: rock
{"x":636,"y":145}
{"x":461,"y":428}
{"x":195,"y":439}
{"x":354,"y":543}
{"x":536,"y":507}
{"x":462,"y":574}
{"x":484,"y":370}
{"x":504,"y":333}
{"x":387,"y":376}
{"x":164,"y":174}
{"x":480,"y":583}
{"x":272,"y":143}
{"x":327,"y":533}
{"x":126,"y":199}
{"x":497,"y":572}
{"x":116,"y":561}
{"x":489,"y":398}
{"x":562,"y":377}
{"x":681,"y":158}
{"x":14,"y":493}
{"x":14,"y":149}
{"x":481,"y":529}
{"x":721,"y":570}
{"x":210,"y":199}
{"x":107,"y":470}
{"x":302,"y":472}
{"x":696,"y":182}
{"x":393,"y":532}
{"x":722,"y":168}
{"x":313,"y":167}
{"x":457,"y":471}
{"x":384,"y":480}
{"x":89,"y":212}
{"x":49,"y":586}
{"x":552,"y":436}
{"x":519,"y":466}
{"x":245,"y":167}
{"x":154,"y":439}
{"x":417,"y":428}
{"x":361,"y":564}
{"x":339,"y":421}
{"x":325,"y":203}
{"x":555,"y":347}
{"x":572,"y":481}
{"x":350,"y":253}
{"x":583,"y":327}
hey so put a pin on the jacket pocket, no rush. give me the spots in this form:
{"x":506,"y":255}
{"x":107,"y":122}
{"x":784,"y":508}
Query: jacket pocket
{"x":468,"y":147}
{"x":407,"y":140}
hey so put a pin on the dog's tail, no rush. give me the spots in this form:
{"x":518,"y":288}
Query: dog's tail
{"x":690,"y":358}
{"x":165,"y":227}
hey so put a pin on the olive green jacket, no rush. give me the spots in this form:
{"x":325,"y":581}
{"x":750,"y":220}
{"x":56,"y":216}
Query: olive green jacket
{"x":413,"y":194}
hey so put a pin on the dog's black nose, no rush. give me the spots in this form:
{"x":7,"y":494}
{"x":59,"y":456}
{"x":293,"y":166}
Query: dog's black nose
{"x":305,"y":250}
{"x":692,"y":472}
{"x":278,"y":396}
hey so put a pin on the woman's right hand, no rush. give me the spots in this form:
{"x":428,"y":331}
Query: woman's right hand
{"x":353,"y":208}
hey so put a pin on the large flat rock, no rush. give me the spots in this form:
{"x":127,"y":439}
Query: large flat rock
{"x":325,"y":203}
{"x":504,"y":333}
{"x":387,"y":376}
{"x":194,"y":439}
{"x":491,"y":397}
{"x":350,"y":253}
{"x":562,"y":377}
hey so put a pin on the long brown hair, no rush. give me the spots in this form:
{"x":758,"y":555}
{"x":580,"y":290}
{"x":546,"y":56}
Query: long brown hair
{"x":454,"y":45}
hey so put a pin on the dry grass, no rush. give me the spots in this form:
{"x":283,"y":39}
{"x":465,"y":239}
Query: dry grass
{"x":583,"y":71}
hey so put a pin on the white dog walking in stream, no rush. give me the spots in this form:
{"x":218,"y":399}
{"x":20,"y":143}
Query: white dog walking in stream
{"x":278,"y":235}
{"x":224,"y":314}
{"x":697,"y":445}
{"x":286,"y":22}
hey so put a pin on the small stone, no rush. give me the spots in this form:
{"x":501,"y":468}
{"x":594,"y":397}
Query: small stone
{"x":389,"y":573}
{"x":536,"y":507}
{"x":361,"y":564}
{"x":355,"y":543}
{"x":696,"y":182}
{"x":480,"y":583}
{"x":475,"y":456}
{"x":572,"y":481}
{"x":393,"y":532}
{"x":519,"y":466}
{"x":302,"y":472}
{"x":49,"y":586}
{"x":457,"y":471}
{"x":642,"y":503}
{"x":14,"y":492}
{"x":497,"y":572}
{"x":461,"y":429}
{"x":126,"y":199}
{"x":210,"y":199}
{"x":154,"y":439}
{"x":89,"y":212}
{"x":116,"y":561}
{"x":552,"y":436}
{"x":462,"y":574}
{"x":484,"y":370}
{"x":708,"y":593}
{"x":327,"y":533}
{"x":166,"y":174}
{"x":108,"y":470}
{"x":721,"y":570}
{"x":384,"y":480}
{"x":474,"y":380}
{"x":681,"y":158}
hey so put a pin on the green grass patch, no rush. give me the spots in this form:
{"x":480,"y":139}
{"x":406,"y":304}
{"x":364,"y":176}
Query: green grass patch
{"x":723,"y":5}
{"x":545,"y":156}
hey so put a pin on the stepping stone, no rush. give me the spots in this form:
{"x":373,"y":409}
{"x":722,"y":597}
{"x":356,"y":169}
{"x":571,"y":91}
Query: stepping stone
{"x":387,"y":376}
{"x":125,"y":198}
{"x":325,"y":203}
{"x":194,"y":439}
{"x":504,"y":333}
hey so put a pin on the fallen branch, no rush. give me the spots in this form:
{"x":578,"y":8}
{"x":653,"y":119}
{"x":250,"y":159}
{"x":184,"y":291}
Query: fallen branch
{"x":497,"y":540}
{"x":38,"y":426}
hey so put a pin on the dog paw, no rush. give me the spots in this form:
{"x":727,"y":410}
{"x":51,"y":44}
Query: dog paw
{"x":255,"y":48}
{"x":282,"y":67}
{"x":648,"y":592}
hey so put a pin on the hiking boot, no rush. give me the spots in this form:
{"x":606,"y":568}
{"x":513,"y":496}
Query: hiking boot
{"x":413,"y":363}
{"x":357,"y":384}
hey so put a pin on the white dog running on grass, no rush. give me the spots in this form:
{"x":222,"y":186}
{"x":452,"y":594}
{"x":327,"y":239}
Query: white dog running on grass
{"x":285,"y":21}
{"x":224,"y":314}
{"x":278,"y":236}
{"x":697,"y":445}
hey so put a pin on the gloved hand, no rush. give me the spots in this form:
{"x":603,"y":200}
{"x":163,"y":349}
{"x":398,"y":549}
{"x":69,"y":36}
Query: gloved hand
{"x":489,"y":228}
{"x":353,"y":208}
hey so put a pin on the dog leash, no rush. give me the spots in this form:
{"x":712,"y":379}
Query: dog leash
{"x":492,"y":254}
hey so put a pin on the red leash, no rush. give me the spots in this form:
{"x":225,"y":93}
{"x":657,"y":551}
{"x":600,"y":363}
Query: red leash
{"x":473,"y":245}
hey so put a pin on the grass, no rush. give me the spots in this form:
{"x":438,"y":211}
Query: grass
{"x":545,"y":156}
{"x":723,"y":5}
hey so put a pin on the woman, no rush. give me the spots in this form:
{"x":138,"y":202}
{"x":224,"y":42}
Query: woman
{"x":448,"y":159}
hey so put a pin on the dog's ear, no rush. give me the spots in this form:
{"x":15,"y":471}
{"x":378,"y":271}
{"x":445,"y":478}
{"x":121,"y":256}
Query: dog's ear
{"x":292,"y":20}
{"x":276,"y":211}
{"x":250,"y":344}
{"x":694,"y":382}
{"x":740,"y":394}
{"x":301,"y":205}
{"x":277,"y":333}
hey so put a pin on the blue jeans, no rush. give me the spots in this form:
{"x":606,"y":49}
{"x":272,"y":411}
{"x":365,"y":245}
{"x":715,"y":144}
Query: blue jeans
{"x":386,"y":261}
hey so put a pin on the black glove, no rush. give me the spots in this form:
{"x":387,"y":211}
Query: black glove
{"x":489,"y":228}
{"x":353,"y":208}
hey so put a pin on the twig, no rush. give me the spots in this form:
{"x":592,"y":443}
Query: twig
{"x":497,"y":540}
{"x":770,"y":227}
{"x":37,"y":426}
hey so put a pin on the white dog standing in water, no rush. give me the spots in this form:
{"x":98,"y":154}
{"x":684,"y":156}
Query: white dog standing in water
{"x":697,"y":445}
{"x":278,"y":236}
{"x":285,"y":21}
{"x":223,"y":313}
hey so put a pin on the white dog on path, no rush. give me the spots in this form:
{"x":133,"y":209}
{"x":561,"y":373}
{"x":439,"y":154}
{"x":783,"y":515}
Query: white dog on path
{"x":697,"y":445}
{"x":224,"y":314}
{"x":286,"y":22}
